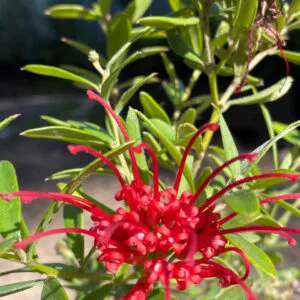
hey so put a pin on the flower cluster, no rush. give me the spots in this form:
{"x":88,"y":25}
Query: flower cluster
{"x":164,"y":232}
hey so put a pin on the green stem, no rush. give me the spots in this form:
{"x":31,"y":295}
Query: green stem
{"x":86,"y":259}
{"x":213,"y":85}
{"x":268,"y":120}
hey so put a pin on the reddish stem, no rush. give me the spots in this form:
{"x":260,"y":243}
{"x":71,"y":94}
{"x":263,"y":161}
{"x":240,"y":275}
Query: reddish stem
{"x":268,"y":229}
{"x":212,"y":199}
{"x":209,"y":126}
{"x":93,"y":96}
{"x":28,"y":196}
{"x":23,"y":244}
{"x":249,"y":156}
{"x":74,"y":149}
{"x":147,"y":147}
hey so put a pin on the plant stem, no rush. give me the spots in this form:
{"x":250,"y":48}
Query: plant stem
{"x":213,"y":85}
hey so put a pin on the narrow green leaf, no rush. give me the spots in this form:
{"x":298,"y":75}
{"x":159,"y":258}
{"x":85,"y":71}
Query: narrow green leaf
{"x":174,"y":152}
{"x":271,"y":94}
{"x":175,"y":5}
{"x":10,"y":211}
{"x":83,"y":48}
{"x":55,"y":121}
{"x":100,"y":293}
{"x":179,"y":46}
{"x":71,"y":11}
{"x":118,"y":33}
{"x":192,"y":35}
{"x":6,"y":245}
{"x":73,"y":217}
{"x":152,"y":109}
{"x":53,"y":290}
{"x":257,"y":257}
{"x":13,"y":288}
{"x":243,"y":202}
{"x":292,"y":137}
{"x":294,"y":8}
{"x":229,"y":146}
{"x":7,"y":121}
{"x":131,"y":91}
{"x":87,"y":74}
{"x":137,"y":8}
{"x":104,"y":6}
{"x":291,"y":56}
{"x":134,"y":131}
{"x":74,"y":172}
{"x":167,"y":22}
{"x":184,"y":133}
{"x":232,"y":292}
{"x":58,"y":73}
{"x":189,"y":116}
{"x":70,"y":135}
{"x":244,"y":16}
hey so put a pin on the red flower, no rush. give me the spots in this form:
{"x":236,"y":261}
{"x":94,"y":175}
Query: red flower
{"x":161,"y":230}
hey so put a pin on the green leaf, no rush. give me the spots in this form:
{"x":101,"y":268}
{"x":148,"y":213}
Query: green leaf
{"x":93,"y":166}
{"x":53,"y":290}
{"x":73,"y":217}
{"x":169,"y":145}
{"x":6,"y":245}
{"x":134,"y":132}
{"x":83,"y":48}
{"x":271,"y":94}
{"x":137,"y":9}
{"x":127,"y":95}
{"x":179,"y":46}
{"x":71,"y":11}
{"x":291,"y":56}
{"x":7,"y":121}
{"x":70,"y":135}
{"x":152,"y":109}
{"x":100,"y":293}
{"x":55,"y":121}
{"x":192,"y":35}
{"x":244,"y":16}
{"x":165,"y":129}
{"x":292,"y":137}
{"x":243,"y":202}
{"x":232,"y":292}
{"x":59,"y":73}
{"x":175,"y":5}
{"x":10,"y":211}
{"x":257,"y":257}
{"x":294,"y":8}
{"x":118,"y":33}
{"x":87,"y":74}
{"x":13,"y":288}
{"x":184,"y":133}
{"x":104,"y":6}
{"x":74,"y":172}
{"x":264,"y":148}
{"x":167,"y":22}
{"x":229,"y":146}
{"x":189,"y":116}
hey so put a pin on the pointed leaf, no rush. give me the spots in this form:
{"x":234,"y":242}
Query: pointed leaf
{"x":100,"y":293}
{"x":179,"y":46}
{"x":167,"y":22}
{"x":10,"y":211}
{"x":152,"y":109}
{"x":70,"y":135}
{"x":6,"y":245}
{"x":7,"y":121}
{"x":71,"y":11}
{"x":243,"y":202}
{"x":53,"y":290}
{"x":137,"y":9}
{"x":118,"y":33}
{"x":292,"y":137}
{"x":257,"y":257}
{"x":130,"y":92}
{"x":273,"y":93}
{"x":58,"y":73}
{"x":229,"y":146}
{"x":134,"y":131}
{"x":169,"y":145}
{"x":13,"y":288}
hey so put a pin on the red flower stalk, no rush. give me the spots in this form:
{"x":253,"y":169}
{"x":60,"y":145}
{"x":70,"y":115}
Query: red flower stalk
{"x":161,"y":222}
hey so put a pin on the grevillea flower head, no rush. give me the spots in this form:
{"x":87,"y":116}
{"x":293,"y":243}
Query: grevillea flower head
{"x":162,"y":231}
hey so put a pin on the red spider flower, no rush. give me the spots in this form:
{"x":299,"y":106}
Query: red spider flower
{"x":161,"y":230}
